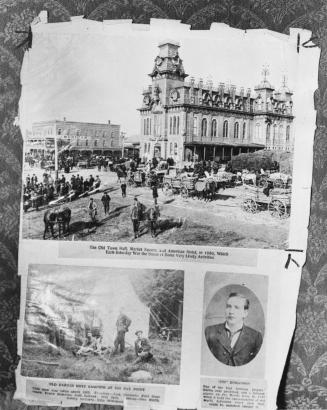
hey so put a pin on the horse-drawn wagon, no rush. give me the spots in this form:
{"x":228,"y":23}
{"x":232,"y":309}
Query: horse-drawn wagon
{"x":277,"y":201}
{"x":172,"y":185}
{"x":136,"y":178}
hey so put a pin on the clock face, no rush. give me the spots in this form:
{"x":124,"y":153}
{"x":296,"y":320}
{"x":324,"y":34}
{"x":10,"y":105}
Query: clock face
{"x":158,"y":61}
{"x":146,"y":100}
{"x":174,"y":95}
{"x":176,"y":59}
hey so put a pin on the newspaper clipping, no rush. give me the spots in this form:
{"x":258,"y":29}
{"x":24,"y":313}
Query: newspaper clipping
{"x":166,"y":192}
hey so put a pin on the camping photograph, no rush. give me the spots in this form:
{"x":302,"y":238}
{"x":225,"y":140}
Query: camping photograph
{"x":109,"y":324}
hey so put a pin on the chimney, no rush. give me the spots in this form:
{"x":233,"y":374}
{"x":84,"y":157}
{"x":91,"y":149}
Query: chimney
{"x":109,"y":122}
{"x":64,"y":118}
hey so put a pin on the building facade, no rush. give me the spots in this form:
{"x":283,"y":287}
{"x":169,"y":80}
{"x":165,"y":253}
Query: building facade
{"x":192,"y":120}
{"x":78,"y":136}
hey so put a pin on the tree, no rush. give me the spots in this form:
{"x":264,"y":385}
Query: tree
{"x":162,"y":291}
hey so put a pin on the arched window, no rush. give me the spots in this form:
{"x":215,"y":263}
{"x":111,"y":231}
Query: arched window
{"x":268,"y":130}
{"x":259,"y":104}
{"x":177,"y":126}
{"x":171,"y":148}
{"x":174,"y":126}
{"x":244,"y":130}
{"x":236,"y":129}
{"x":170,"y":125}
{"x":214,"y":128}
{"x":274,"y":135}
{"x":204,"y":127}
{"x":257,"y":131}
{"x":288,"y":129}
{"x":149,"y":146}
{"x":175,"y":148}
{"x":86,"y":142}
{"x":59,"y":131}
{"x":150,"y":127}
{"x":145,"y":146}
{"x":225,"y":129}
{"x":195,"y":125}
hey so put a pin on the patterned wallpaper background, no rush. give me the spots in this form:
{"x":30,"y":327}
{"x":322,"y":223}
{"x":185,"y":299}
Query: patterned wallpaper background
{"x":304,"y":384}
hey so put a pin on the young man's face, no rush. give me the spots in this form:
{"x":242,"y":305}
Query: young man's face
{"x":234,"y":311}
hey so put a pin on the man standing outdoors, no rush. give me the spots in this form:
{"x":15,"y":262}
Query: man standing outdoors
{"x":233,"y":343}
{"x":136,"y":216}
{"x":122,"y":324}
{"x":154,"y":214}
{"x":92,"y":210}
{"x":106,"y":203}
{"x":123,"y":188}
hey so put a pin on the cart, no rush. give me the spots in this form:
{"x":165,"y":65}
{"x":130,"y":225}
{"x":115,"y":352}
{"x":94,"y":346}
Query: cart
{"x":277,"y":202}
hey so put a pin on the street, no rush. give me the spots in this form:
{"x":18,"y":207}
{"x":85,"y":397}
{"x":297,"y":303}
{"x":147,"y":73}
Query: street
{"x":221,"y":222}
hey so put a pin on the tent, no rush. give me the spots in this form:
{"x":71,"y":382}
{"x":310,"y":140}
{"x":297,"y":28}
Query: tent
{"x":89,"y":300}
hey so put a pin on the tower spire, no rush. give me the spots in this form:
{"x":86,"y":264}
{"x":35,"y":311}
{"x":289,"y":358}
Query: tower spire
{"x":265,"y":72}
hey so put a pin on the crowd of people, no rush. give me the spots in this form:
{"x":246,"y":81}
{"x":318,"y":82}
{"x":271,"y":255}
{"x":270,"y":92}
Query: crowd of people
{"x":37,"y":193}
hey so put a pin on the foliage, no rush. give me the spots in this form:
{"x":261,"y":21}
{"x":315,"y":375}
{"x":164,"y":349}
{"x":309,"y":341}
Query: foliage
{"x":264,"y":159}
{"x":162,"y":291}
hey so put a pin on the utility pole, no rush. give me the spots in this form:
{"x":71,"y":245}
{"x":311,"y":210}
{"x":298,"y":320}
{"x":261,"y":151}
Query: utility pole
{"x":56,"y":155}
{"x":122,"y":135}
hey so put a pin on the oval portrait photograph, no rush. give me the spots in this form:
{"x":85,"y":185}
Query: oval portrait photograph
{"x":234,"y":325}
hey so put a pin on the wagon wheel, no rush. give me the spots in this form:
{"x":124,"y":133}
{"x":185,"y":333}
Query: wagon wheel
{"x":277,"y":208}
{"x":166,"y":189}
{"x":278,"y":183}
{"x":249,"y":205}
{"x":184,"y":192}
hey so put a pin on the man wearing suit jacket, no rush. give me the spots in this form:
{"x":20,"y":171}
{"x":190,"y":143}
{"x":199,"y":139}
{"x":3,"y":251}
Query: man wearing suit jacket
{"x":233,"y":343}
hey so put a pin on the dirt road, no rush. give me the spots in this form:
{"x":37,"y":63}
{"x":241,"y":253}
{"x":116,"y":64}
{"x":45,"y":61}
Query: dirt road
{"x":221,"y":222}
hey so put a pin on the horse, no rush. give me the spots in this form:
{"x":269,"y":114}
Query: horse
{"x":210,"y":190}
{"x":249,"y":179}
{"x":63,"y":219}
{"x":49,"y":220}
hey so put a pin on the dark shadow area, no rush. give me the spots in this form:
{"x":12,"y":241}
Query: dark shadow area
{"x":223,"y":197}
{"x":169,"y":201}
{"x":281,"y":395}
{"x":166,"y":225}
{"x":77,"y":227}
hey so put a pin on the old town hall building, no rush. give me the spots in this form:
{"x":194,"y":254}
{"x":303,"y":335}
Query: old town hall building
{"x":189,"y":120}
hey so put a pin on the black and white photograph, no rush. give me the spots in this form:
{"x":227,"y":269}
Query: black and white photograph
{"x":185,"y":140}
{"x":233,"y":323}
{"x":109,"y":324}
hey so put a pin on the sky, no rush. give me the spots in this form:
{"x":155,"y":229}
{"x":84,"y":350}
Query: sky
{"x":95,"y":72}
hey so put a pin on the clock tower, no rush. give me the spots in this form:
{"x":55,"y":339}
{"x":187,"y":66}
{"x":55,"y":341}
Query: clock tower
{"x":168,"y":71}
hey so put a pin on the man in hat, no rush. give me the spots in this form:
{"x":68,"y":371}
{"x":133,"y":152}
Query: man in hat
{"x":123,"y":188}
{"x":92,"y":210}
{"x":142,"y":348}
{"x":106,"y":202}
{"x":136,"y":216}
{"x":154,"y":214}
{"x":122,"y":324}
